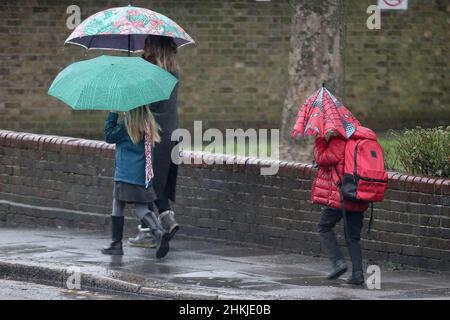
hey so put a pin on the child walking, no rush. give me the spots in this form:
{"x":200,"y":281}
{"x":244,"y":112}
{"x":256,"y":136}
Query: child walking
{"x":329,"y":156}
{"x":134,"y":137}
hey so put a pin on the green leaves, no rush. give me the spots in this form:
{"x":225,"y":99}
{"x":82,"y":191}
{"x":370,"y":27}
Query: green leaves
{"x":420,"y":151}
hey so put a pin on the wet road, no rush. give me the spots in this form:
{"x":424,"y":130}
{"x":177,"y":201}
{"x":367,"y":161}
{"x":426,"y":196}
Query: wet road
{"x":15,"y":290}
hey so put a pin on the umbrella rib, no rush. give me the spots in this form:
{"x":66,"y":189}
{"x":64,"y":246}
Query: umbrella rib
{"x":111,"y":49}
{"x":90,"y":41}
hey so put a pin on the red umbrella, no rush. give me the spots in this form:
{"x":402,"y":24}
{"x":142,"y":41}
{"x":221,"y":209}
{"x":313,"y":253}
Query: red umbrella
{"x":323,"y":114}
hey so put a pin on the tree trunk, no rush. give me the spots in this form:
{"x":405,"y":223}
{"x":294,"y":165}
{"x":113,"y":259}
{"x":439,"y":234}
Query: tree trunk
{"x":315,"y":58}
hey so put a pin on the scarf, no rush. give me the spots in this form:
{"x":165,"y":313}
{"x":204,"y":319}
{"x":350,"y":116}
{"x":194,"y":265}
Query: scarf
{"x":148,"y":157}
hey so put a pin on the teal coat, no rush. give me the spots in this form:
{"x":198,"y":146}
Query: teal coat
{"x":129,"y":157}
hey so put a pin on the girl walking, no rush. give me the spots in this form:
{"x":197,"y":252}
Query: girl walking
{"x":134,"y":137}
{"x":162,"y":51}
{"x":329,"y":156}
{"x":324,"y":117}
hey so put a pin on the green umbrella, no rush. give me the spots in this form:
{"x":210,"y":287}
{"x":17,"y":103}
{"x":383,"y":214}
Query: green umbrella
{"x":112,"y":83}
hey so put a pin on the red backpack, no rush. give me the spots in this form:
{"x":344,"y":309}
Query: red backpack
{"x":365,"y":179}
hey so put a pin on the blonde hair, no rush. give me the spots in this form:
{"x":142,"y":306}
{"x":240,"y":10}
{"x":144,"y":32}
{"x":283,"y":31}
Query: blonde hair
{"x":161,"y":51}
{"x":138,"y":121}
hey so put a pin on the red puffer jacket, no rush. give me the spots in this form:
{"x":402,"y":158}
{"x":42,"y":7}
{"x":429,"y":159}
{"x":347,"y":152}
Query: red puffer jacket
{"x":330,"y":158}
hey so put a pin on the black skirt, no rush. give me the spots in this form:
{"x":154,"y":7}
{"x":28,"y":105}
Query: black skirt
{"x":133,"y":193}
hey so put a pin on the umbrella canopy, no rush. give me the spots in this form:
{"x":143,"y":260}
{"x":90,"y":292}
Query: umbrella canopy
{"x":125,"y":29}
{"x":322,"y":114}
{"x":112,"y":83}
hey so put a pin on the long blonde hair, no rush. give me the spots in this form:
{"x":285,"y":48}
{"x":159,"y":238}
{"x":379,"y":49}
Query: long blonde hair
{"x":138,"y":121}
{"x":161,"y":51}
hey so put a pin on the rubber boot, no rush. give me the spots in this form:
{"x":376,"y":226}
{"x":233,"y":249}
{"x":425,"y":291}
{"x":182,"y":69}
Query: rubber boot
{"x":354,"y":250}
{"x":357,"y":278}
{"x":143,"y":239}
{"x":115,"y":248}
{"x":162,"y":237}
{"x":329,"y":242}
{"x":339,"y":268}
{"x":168,"y":222}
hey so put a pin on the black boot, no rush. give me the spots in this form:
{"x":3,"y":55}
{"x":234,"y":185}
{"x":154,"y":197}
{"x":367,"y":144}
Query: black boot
{"x":115,"y":248}
{"x":339,"y":268}
{"x":162,"y":237}
{"x":356,"y":279}
{"x":329,"y":242}
{"x":354,"y":250}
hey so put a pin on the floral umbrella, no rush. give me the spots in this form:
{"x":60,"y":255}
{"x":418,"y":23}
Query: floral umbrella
{"x":125,"y":29}
{"x":323,"y":114}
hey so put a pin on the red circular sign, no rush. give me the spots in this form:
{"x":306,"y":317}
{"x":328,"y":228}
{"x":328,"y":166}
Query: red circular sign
{"x":393,"y":3}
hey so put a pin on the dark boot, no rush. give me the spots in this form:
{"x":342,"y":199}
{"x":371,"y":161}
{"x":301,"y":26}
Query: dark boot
{"x":115,"y":248}
{"x":339,"y":268}
{"x":329,"y":242}
{"x":167,"y":219}
{"x":354,"y":250}
{"x":162,"y":237}
{"x":328,"y":219}
{"x":357,"y":278}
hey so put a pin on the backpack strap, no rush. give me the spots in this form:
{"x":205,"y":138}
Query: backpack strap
{"x":344,"y":213}
{"x":370,"y":221}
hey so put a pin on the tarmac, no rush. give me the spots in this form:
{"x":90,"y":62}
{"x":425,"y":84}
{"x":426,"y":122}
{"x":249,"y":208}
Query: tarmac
{"x":17,"y":290}
{"x":194,"y":269}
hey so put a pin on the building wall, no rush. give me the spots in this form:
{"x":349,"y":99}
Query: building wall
{"x":237,"y":73}
{"x":398,"y":76}
{"x":54,"y":181}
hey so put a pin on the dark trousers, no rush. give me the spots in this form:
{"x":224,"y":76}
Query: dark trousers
{"x":328,"y":219}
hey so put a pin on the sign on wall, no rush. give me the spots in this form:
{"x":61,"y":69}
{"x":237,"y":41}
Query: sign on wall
{"x":393,"y":4}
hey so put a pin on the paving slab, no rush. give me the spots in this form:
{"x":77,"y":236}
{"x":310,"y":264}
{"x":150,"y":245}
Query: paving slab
{"x":194,"y":269}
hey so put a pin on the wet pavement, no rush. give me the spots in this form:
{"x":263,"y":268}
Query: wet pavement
{"x":17,"y":290}
{"x":194,"y":270}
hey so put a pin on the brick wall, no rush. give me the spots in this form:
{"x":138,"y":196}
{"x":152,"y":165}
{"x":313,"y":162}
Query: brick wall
{"x":235,"y":75}
{"x":398,"y":76}
{"x":58,"y":181}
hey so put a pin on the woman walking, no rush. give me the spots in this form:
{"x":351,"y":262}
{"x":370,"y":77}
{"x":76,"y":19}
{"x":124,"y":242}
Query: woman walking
{"x":329,"y":155}
{"x":134,"y":137}
{"x":162,"y":51}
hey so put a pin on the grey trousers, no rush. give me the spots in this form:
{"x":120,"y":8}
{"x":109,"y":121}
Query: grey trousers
{"x":118,"y":209}
{"x":328,"y":219}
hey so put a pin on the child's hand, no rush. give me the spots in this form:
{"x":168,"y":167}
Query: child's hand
{"x":330,"y":134}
